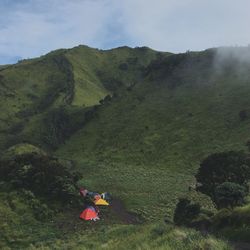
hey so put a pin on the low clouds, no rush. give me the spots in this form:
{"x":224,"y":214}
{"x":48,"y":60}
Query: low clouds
{"x":31,"y":28}
{"x":233,"y":60}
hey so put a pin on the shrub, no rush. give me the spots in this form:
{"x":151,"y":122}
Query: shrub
{"x":186,"y":212}
{"x":230,"y":194}
{"x":203,"y":222}
{"x":42,"y":174}
{"x":234,"y":219}
{"x":222,"y":218}
{"x":222,"y":167}
{"x":40,"y":210}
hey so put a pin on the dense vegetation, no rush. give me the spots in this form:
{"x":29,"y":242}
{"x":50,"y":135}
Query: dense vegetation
{"x":41,"y":174}
{"x":227,"y":167}
{"x":225,"y":178}
{"x":136,"y":123}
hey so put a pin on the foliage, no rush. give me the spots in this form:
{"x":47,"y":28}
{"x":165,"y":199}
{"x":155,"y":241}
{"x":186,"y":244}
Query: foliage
{"x":233,"y":224}
{"x":146,"y":133}
{"x":138,"y":237}
{"x":42,"y":174}
{"x":229,"y":194}
{"x":40,"y":210}
{"x":20,"y":149}
{"x":223,"y":167}
{"x":186,"y":212}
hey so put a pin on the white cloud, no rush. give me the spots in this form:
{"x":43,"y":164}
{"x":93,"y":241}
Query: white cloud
{"x":191,"y":24}
{"x":33,"y":29}
{"x":30,"y":28}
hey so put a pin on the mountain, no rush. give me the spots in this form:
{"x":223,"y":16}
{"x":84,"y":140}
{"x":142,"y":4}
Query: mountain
{"x":78,"y":79}
{"x":135,"y":122}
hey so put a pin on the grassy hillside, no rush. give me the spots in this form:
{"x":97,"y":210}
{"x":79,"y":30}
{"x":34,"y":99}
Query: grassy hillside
{"x":135,"y":123}
{"x":77,"y":79}
{"x":146,"y":144}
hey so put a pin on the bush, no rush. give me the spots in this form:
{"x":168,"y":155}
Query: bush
{"x":222,"y":218}
{"x":223,"y":167}
{"x":230,"y":194}
{"x":186,"y":212}
{"x":236,"y":217}
{"x":40,"y":210}
{"x":41,"y":174}
{"x":203,"y":222}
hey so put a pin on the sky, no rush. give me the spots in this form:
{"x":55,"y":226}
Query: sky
{"x":30,"y":28}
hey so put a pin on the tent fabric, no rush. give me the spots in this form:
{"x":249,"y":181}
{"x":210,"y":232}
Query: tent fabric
{"x":83,"y":192}
{"x":101,"y":202}
{"x":91,"y":208}
{"x":97,"y":197}
{"x":106,"y":196}
{"x":89,"y":214}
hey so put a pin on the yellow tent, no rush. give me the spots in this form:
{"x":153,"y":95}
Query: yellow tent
{"x":101,"y":202}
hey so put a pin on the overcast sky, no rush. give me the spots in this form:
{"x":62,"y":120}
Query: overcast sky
{"x":30,"y":28}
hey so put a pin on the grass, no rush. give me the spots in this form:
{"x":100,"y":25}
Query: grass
{"x":144,"y":145}
{"x":79,"y":77}
{"x":235,"y":223}
{"x":154,"y":236}
{"x":19,"y":228}
{"x":66,"y":231}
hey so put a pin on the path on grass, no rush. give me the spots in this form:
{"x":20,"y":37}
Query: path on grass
{"x":118,"y":208}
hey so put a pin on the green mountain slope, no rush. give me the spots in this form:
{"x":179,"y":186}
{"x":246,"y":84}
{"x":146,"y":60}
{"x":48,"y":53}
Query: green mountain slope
{"x":135,"y":122}
{"x":78,"y":78}
{"x":148,"y":142}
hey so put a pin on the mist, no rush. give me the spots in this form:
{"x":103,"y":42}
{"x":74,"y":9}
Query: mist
{"x":233,"y":60}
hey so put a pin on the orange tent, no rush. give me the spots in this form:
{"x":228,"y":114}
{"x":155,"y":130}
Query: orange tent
{"x":89,"y":214}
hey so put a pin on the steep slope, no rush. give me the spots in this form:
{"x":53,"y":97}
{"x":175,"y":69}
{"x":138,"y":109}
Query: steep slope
{"x":106,"y":70}
{"x":146,"y":144}
{"x":32,"y":91}
{"x":135,"y":122}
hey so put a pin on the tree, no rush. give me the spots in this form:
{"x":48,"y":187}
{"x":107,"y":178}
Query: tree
{"x":223,"y":167}
{"x":42,"y":174}
{"x":185,"y":212}
{"x":230,"y":194}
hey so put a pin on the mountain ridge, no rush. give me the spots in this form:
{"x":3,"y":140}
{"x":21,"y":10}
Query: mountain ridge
{"x":133,"y":122}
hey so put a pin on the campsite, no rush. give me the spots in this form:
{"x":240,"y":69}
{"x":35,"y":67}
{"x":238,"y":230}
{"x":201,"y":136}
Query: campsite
{"x":124,"y":125}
